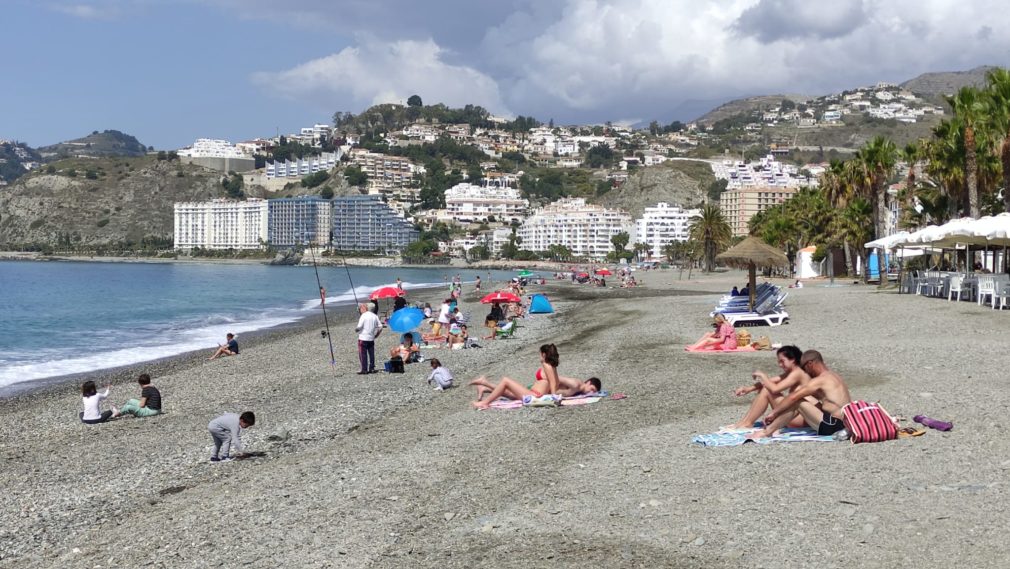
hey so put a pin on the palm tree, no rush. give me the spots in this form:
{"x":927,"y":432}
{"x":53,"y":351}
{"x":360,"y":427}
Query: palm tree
{"x":852,"y":225}
{"x":711,"y":230}
{"x":998,"y":94}
{"x":878,"y":158}
{"x":969,"y":109}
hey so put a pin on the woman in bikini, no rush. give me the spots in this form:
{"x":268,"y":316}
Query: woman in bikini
{"x":545,"y":381}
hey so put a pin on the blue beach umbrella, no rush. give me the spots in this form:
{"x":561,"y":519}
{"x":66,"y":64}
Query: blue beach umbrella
{"x":405,"y":320}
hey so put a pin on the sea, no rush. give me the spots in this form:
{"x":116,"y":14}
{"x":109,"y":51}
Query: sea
{"x":62,"y":318}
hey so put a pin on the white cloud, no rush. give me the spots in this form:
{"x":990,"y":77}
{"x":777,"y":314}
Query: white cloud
{"x":375,"y":72}
{"x":605,"y":57}
{"x":104,"y":11}
{"x":599,"y":59}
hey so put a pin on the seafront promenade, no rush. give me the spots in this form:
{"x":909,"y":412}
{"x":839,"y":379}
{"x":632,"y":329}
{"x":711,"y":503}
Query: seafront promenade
{"x":382,"y":471}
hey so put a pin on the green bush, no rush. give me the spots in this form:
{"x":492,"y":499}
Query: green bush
{"x":102,"y":222}
{"x":91,"y":175}
{"x":72,"y":173}
{"x":313,"y":180}
{"x":36,"y":224}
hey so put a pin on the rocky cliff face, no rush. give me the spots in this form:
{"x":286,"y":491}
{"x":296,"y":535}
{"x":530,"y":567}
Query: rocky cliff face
{"x":106,"y":202}
{"x":677,"y":182}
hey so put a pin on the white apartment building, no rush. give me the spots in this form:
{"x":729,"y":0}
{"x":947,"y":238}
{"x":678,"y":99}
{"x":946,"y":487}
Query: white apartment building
{"x":221,"y":224}
{"x":585,"y":229}
{"x":468,"y":203}
{"x":767,"y":172}
{"x":499,"y":239}
{"x":663,"y":224}
{"x":302,"y":166}
{"x":209,"y":148}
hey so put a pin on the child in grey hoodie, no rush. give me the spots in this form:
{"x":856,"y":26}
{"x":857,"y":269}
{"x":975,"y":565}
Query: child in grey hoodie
{"x":225,"y":430}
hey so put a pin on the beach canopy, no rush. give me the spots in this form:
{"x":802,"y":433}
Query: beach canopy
{"x":752,"y":253}
{"x":405,"y":320}
{"x":540,"y":305}
{"x":386,"y":292}
{"x":890,"y":242}
{"x":605,"y":272}
{"x":500,"y":296}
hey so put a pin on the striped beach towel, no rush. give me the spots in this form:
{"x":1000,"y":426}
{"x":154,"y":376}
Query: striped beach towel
{"x":738,"y":437}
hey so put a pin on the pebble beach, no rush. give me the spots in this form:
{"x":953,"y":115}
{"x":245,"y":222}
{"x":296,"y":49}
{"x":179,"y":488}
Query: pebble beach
{"x":383,"y":471}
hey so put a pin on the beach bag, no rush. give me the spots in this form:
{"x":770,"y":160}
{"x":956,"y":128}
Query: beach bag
{"x":742,"y":338}
{"x":868,"y":423}
{"x":762,"y":343}
{"x":395,"y":365}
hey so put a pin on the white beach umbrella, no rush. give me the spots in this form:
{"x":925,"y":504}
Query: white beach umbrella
{"x":995,"y":229}
{"x":890,"y":242}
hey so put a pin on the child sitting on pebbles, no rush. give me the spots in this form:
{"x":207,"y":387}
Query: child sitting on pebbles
{"x":92,"y":400}
{"x":440,"y":375}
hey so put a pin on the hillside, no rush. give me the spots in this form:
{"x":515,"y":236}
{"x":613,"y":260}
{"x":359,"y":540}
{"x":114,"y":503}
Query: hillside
{"x":677,"y":182}
{"x":745,"y":107}
{"x":14,"y":156}
{"x":93,"y":202}
{"x":946,"y":82}
{"x":96,"y":145}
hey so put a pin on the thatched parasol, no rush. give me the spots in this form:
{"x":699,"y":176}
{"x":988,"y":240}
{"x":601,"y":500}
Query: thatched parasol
{"x":753,"y":253}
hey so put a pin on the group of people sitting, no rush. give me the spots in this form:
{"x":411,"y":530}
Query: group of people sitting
{"x":806,"y":394}
{"x":149,"y":403}
{"x":546,"y":381}
{"x":745,"y":291}
{"x":502,"y":320}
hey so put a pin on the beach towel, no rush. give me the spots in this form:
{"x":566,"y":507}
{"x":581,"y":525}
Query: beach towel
{"x":732,"y":438}
{"x":548,"y":400}
{"x":584,"y":399}
{"x":711,"y":350}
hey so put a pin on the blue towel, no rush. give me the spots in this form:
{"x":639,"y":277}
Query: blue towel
{"x":737,"y":438}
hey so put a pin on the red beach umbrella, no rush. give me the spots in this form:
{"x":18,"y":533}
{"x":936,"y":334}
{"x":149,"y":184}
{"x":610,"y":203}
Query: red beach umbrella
{"x":604,"y":272}
{"x":500,"y":296}
{"x":386,"y":292}
{"x":580,"y":275}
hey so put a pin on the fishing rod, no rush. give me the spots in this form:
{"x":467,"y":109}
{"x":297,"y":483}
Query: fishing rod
{"x":322,"y":298}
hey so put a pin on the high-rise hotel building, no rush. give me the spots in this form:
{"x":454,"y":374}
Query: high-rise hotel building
{"x":221,"y":224}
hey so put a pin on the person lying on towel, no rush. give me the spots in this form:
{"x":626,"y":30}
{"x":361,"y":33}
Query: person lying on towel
{"x":545,"y":381}
{"x":567,"y":387}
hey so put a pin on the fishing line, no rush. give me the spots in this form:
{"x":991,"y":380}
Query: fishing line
{"x":322,"y":297}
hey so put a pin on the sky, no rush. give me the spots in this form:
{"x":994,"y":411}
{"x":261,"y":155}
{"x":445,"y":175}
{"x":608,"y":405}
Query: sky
{"x":171,"y":71}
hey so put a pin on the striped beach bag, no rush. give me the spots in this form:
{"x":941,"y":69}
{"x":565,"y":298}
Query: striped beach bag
{"x":868,"y":423}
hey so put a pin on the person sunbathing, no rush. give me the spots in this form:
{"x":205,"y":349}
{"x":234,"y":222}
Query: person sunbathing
{"x":545,"y":381}
{"x":771,"y":390}
{"x":408,"y":351}
{"x":826,"y":386}
{"x":723,"y":338}
{"x":567,"y":387}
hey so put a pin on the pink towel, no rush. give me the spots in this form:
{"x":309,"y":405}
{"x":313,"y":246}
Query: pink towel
{"x":713,"y":350}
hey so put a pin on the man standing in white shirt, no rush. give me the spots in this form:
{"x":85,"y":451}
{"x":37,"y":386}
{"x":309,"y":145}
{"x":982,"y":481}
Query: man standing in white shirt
{"x":368,"y":330}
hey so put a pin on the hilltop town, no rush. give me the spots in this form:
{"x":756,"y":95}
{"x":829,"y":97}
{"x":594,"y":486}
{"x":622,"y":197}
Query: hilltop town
{"x":431,"y":182}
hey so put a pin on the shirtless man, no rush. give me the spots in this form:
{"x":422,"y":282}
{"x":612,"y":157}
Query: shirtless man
{"x":826,"y":386}
{"x":771,"y":390}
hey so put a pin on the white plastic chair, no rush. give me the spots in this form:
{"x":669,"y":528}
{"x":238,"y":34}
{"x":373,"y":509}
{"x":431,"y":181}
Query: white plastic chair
{"x":986,"y":287}
{"x":956,"y":285}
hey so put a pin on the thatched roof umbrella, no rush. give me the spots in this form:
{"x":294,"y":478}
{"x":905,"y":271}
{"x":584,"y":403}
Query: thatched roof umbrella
{"x":753,"y":253}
